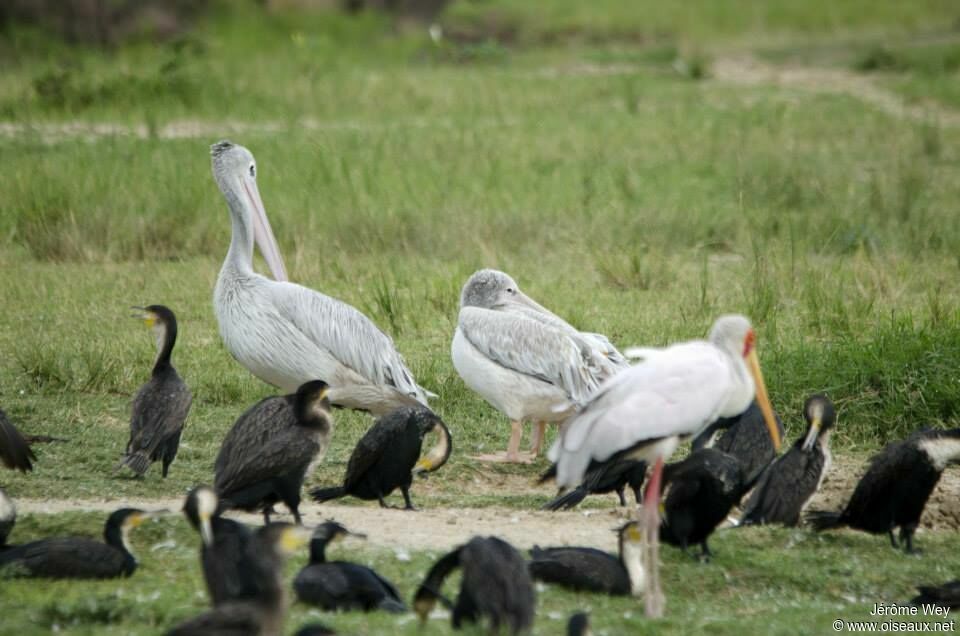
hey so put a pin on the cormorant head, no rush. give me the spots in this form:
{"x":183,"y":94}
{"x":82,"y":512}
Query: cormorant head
{"x":439,"y":453}
{"x":116,"y":531}
{"x":330,"y":531}
{"x":162,"y":322}
{"x":821,"y":417}
{"x":199,"y":508}
{"x":310,"y":403}
{"x":734,"y":334}
{"x":942,"y":446}
{"x":579,"y":625}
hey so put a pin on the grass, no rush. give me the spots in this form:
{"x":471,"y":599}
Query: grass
{"x":587,"y":153}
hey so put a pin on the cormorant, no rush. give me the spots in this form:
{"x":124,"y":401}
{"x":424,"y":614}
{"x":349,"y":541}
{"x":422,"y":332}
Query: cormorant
{"x":791,"y":480}
{"x":223,"y":552}
{"x":271,"y":448}
{"x":78,"y":557}
{"x":15,"y":453}
{"x":946,"y":595}
{"x":745,"y":437}
{"x":388,"y":456}
{"x":495,"y":586}
{"x":591,"y":569}
{"x":315,"y":629}
{"x":579,"y":625}
{"x":161,"y":405}
{"x":613,"y":475}
{"x":264,"y":614}
{"x":8,"y":517}
{"x":340,"y":585}
{"x":896,"y":486}
{"x":699,"y":492}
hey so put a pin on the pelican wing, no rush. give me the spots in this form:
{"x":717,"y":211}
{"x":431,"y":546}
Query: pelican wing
{"x":347,"y":334}
{"x":677,"y":392}
{"x":530,"y":347}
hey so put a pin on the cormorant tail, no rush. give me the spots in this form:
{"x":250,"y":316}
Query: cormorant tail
{"x":567,"y":501}
{"x":392,"y":605}
{"x":138,"y":462}
{"x":326,"y":494}
{"x":823,"y":519}
{"x":551,"y":473}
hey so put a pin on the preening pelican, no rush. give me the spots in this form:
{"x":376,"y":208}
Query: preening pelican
{"x":287,"y":334}
{"x":644,"y":411}
{"x":523,"y":359}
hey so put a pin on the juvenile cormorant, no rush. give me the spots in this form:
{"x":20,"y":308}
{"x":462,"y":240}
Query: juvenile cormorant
{"x":388,"y":456}
{"x":78,"y":557}
{"x":613,"y":475}
{"x":496,"y":586}
{"x":591,"y":569}
{"x":15,"y":453}
{"x":579,"y":625}
{"x":790,"y":481}
{"x":896,"y":486}
{"x":946,"y":595}
{"x":271,"y":448}
{"x":223,"y":552}
{"x":264,"y":614}
{"x":698,"y":494}
{"x":8,"y":517}
{"x":745,"y":437}
{"x":340,"y":585}
{"x":161,"y":405}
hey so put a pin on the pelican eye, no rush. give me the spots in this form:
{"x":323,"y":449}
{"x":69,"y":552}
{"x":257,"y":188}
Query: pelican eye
{"x":253,"y":171}
{"x":511,"y":290}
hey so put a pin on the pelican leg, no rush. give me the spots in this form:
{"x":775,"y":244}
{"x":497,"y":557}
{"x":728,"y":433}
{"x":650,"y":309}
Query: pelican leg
{"x":513,"y":447}
{"x":536,"y":444}
{"x":653,"y":595}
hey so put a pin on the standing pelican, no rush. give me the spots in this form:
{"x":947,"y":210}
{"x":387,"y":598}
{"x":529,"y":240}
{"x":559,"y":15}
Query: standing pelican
{"x":644,"y":411}
{"x":523,"y":359}
{"x":287,"y":334}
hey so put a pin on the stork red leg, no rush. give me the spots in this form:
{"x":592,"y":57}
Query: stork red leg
{"x":653,"y":595}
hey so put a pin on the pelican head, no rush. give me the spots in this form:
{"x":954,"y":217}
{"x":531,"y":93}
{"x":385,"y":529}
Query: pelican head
{"x":734,"y":335}
{"x":820,"y":415}
{"x":235,"y":171}
{"x":493,"y":289}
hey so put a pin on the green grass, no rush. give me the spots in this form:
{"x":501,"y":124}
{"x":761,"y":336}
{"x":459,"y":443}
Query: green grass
{"x":776,"y":581}
{"x":567,"y":150}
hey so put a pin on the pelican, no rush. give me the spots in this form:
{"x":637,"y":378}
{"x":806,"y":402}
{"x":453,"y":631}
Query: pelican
{"x":644,"y":411}
{"x":523,"y":359}
{"x":287,"y":334}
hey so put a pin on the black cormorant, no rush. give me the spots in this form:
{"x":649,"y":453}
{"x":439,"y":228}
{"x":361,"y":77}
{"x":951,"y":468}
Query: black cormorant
{"x":946,"y":595}
{"x":15,"y":453}
{"x":496,"y":586}
{"x":896,"y":486}
{"x":745,"y":437}
{"x":8,"y":517}
{"x":388,"y":456}
{"x":613,"y":475}
{"x":264,"y":614}
{"x":223,"y":552}
{"x":78,"y":557}
{"x":591,"y":569}
{"x":161,"y":405}
{"x":579,"y":625}
{"x":699,"y":492}
{"x":315,"y":629}
{"x":271,"y":448}
{"x":340,"y":585}
{"x":791,"y":480}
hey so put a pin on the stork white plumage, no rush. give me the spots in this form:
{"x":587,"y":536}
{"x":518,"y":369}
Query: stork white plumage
{"x":644,"y":412}
{"x":287,"y":334}
{"x":523,"y":359}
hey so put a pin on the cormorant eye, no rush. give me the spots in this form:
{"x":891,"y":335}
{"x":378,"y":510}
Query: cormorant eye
{"x":253,"y":171}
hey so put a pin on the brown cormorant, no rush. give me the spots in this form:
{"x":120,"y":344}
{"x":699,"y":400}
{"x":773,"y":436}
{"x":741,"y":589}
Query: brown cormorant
{"x":78,"y":557}
{"x":699,"y":492}
{"x":496,"y":586}
{"x":593,"y":570}
{"x":946,"y":595}
{"x":612,"y":475}
{"x":745,"y":437}
{"x":791,"y":480}
{"x":15,"y":453}
{"x":388,"y":456}
{"x":271,"y":448}
{"x":264,"y":614}
{"x":896,"y":486}
{"x":161,"y":405}
{"x":340,"y":585}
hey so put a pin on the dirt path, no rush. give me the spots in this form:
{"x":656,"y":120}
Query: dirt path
{"x":443,"y":528}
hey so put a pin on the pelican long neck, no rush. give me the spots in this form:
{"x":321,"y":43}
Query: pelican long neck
{"x":240,"y":254}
